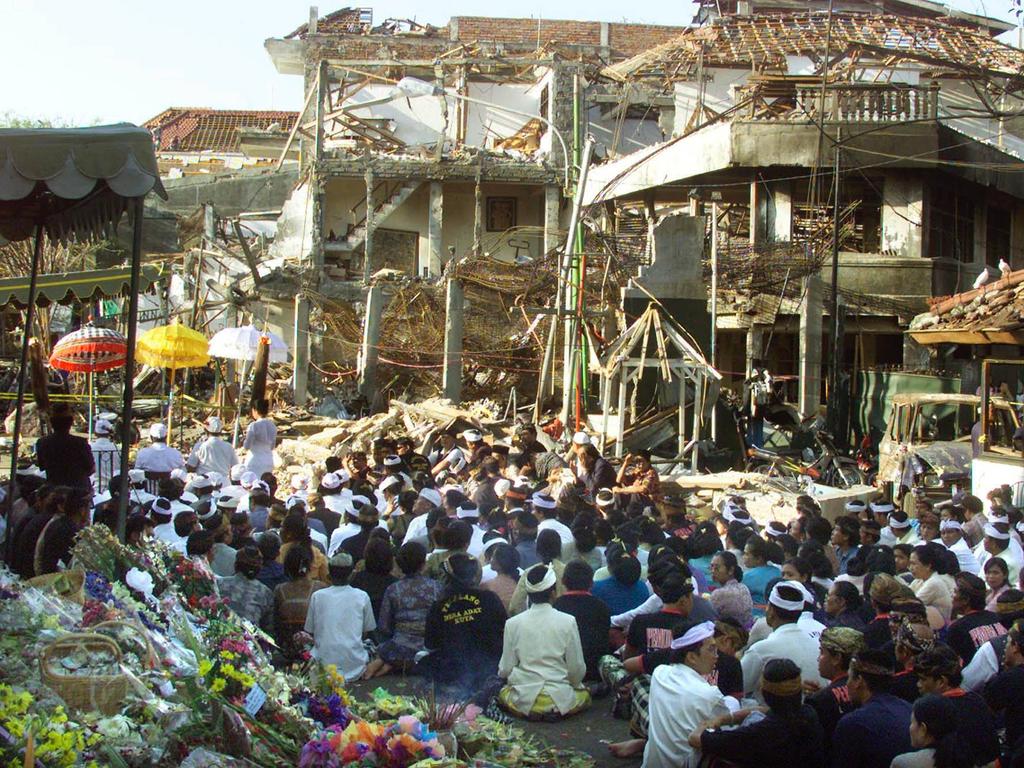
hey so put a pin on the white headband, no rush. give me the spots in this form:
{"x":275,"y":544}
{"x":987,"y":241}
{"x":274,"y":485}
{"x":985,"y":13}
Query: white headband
{"x":950,"y":525}
{"x":898,"y":524}
{"x":855,"y":506}
{"x":774,"y":532}
{"x":389,"y":481}
{"x":788,"y":605}
{"x":995,"y":517}
{"x":694,"y":635}
{"x":995,"y":533}
{"x":491,"y":542}
{"x":547,"y":582}
{"x":882,"y":506}
{"x":541,"y":502}
{"x":467,"y":510}
{"x":431,"y":495}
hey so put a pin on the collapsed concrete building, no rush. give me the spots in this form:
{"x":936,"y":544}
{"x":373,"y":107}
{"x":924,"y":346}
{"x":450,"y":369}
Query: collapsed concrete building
{"x":918,"y":111}
{"x":481,"y":166}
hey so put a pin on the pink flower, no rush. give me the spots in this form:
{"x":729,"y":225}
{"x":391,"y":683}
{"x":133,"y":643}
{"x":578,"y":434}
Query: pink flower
{"x":408,"y":724}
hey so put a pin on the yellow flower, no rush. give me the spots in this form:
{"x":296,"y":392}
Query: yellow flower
{"x":230,"y":655}
{"x":218,"y":684}
{"x":204,"y":667}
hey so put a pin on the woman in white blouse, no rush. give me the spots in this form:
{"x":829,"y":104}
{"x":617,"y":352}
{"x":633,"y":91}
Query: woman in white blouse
{"x":260,"y":439}
{"x":931,"y":581}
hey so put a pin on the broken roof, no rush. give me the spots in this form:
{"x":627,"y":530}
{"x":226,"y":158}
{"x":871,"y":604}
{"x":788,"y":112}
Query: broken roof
{"x":765,"y":41}
{"x":991,"y":314}
{"x":200,"y":129}
{"x":624,"y":39}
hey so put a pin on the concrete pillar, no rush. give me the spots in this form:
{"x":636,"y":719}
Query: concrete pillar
{"x":371,"y":204}
{"x":755,"y":345}
{"x":370,"y":350}
{"x":915,"y":356}
{"x":811,"y":311}
{"x":451,"y":376}
{"x":552,"y":210}
{"x":903,"y":215}
{"x":300,"y":347}
{"x":435,"y":217}
{"x":780,"y":213}
{"x":478,"y":218}
{"x":758,"y":212}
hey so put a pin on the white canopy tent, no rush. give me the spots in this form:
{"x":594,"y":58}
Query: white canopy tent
{"x":75,"y":184}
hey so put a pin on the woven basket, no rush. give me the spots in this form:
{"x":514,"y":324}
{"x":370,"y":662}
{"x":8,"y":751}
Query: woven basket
{"x":84,"y":693}
{"x":150,"y":658}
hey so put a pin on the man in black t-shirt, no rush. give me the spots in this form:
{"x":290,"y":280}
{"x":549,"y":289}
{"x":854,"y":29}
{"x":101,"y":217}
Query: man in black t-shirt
{"x":1003,"y":694}
{"x":66,"y":459}
{"x":464,"y":630}
{"x":976,"y":626}
{"x":593,"y":619}
{"x":653,"y":631}
{"x":838,"y":645}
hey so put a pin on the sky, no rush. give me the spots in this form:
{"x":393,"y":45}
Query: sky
{"x":88,"y":62}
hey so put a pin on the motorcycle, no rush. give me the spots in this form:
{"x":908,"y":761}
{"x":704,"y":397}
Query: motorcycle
{"x":819,"y":460}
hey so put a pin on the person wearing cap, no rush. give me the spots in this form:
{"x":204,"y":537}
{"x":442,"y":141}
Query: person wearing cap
{"x":351,"y":526}
{"x":546,"y":510}
{"x":898,"y":530}
{"x":999,"y":543}
{"x":952,"y":534}
{"x":427,"y":499}
{"x":879,"y":728}
{"x":786,"y":603}
{"x":213,"y":453}
{"x":158,"y":458}
{"x":938,"y":672}
{"x":542,"y":657}
{"x":464,"y":631}
{"x":66,"y":459}
{"x":335,"y":497}
{"x":592,"y":470}
{"x":788,"y":734}
{"x":838,"y":647}
{"x":394,"y":466}
{"x":447,"y":454}
{"x":105,"y":454}
{"x":339,"y":619}
{"x":366,"y":519}
{"x":163,"y":514}
{"x":681,"y":698}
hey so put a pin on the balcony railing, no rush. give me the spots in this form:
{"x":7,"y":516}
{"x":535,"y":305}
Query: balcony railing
{"x":869,"y":103}
{"x":799,"y":100}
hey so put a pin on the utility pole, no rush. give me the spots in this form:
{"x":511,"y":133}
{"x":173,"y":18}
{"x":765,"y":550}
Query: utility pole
{"x":834,"y":398}
{"x":714,"y":306}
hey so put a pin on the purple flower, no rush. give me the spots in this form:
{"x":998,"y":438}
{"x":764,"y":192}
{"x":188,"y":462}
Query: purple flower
{"x":318,"y":753}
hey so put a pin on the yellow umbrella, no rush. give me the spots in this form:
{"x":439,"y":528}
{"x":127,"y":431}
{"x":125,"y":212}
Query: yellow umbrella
{"x":172,"y":346}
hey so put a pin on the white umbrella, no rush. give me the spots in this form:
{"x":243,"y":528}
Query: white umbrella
{"x":241,"y":344}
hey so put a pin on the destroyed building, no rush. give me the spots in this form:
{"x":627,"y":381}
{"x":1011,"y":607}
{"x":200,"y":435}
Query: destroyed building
{"x":917,"y":108}
{"x":410,"y":182}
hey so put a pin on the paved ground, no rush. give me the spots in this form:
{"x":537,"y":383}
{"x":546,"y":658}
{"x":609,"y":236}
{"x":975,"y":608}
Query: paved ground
{"x":586,"y":732}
